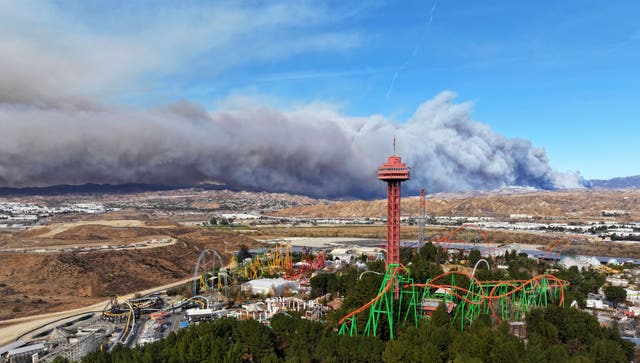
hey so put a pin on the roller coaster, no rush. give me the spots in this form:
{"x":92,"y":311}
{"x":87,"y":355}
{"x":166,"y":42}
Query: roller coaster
{"x":118,"y":311}
{"x":271,"y":262}
{"x":129,"y":310}
{"x":308,"y":265}
{"x":276,"y":261}
{"x":445,"y":240}
{"x":555,"y":250}
{"x":400,"y":300}
{"x":209,"y":273}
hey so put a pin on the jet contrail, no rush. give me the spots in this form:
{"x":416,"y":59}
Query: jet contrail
{"x":414,"y":53}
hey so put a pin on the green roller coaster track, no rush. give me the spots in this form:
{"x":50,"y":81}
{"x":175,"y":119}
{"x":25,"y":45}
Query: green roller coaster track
{"x":399,"y":299}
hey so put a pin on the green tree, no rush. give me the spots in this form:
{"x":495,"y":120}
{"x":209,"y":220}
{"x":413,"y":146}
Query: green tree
{"x":324,"y":283}
{"x":243,"y":253}
{"x":615,"y":294}
{"x":474,"y":256}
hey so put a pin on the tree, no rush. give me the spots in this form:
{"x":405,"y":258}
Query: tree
{"x":615,"y":294}
{"x":324,"y":283}
{"x":440,"y":317}
{"x":243,"y":253}
{"x":474,"y":256}
{"x":405,"y":255}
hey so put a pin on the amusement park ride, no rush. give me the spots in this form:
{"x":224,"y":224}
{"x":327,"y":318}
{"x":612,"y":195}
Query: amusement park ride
{"x":401,"y":299}
{"x":211,"y":274}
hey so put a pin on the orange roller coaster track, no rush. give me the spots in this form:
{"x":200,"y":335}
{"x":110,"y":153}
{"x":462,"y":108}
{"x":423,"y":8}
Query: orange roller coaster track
{"x":398,"y":299}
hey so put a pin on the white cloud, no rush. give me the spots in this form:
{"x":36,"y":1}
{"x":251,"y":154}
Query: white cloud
{"x":46,"y":52}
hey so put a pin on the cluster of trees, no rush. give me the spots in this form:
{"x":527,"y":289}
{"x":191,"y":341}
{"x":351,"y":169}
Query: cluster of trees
{"x":625,"y":237}
{"x":289,"y":339}
{"x":220,"y":221}
{"x":581,"y":282}
{"x":555,"y":335}
{"x":615,"y":294}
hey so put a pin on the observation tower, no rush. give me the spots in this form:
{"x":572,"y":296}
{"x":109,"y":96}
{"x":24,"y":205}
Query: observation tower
{"x":393,"y":172}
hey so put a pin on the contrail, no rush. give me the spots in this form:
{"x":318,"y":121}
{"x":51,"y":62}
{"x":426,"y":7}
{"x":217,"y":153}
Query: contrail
{"x":414,"y":52}
{"x":433,"y":10}
{"x":393,"y":81}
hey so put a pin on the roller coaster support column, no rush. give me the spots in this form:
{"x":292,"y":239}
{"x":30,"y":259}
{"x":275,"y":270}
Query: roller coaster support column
{"x":385,"y":306}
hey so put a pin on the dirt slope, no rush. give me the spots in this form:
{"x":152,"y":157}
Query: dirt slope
{"x":33,"y":283}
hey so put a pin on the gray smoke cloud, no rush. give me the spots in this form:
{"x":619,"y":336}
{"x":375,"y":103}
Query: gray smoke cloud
{"x":311,"y":150}
{"x":55,"y":127}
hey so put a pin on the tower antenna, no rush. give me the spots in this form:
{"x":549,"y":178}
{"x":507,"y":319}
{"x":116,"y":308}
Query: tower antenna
{"x":394,"y":144}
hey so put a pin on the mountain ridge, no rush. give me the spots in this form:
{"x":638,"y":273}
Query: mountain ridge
{"x":127,"y":188}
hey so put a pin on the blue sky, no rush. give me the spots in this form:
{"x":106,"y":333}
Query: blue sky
{"x":562,"y":74}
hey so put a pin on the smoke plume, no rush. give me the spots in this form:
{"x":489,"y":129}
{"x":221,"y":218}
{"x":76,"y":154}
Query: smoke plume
{"x":55,"y":127}
{"x":312,"y":150}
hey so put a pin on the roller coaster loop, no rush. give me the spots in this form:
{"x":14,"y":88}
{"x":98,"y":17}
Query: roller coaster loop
{"x":202,"y":276}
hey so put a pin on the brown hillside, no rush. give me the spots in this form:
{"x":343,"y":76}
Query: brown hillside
{"x":571,"y":204}
{"x":100,"y":232}
{"x":32,"y":283}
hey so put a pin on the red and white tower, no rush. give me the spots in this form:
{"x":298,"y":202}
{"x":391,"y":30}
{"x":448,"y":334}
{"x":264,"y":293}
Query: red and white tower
{"x":394,"y":172}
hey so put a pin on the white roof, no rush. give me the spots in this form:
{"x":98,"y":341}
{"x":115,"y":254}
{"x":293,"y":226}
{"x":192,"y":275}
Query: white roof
{"x":10,"y":346}
{"x":269,"y":283}
{"x":254,"y":307}
{"x":196,"y":311}
{"x":28,"y":348}
{"x":579,"y":261}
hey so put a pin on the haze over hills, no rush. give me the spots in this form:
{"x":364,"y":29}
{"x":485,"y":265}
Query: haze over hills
{"x":92,"y":188}
{"x":616,"y":183}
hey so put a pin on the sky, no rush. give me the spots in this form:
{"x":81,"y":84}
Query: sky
{"x":560,"y":74}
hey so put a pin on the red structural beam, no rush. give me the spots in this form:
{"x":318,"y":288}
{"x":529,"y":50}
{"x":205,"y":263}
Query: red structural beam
{"x":393,"y":172}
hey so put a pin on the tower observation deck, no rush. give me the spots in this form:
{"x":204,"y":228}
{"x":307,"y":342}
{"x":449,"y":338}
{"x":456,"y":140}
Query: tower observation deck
{"x":393,"y":172}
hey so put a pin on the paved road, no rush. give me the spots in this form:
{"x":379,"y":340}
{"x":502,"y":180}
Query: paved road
{"x":11,"y":329}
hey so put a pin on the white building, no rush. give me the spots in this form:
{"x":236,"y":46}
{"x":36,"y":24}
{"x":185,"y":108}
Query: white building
{"x":633,"y":296}
{"x":275,"y":287}
{"x":204,"y":314}
{"x":579,"y":261}
{"x":596,"y":304}
{"x":617,"y":281}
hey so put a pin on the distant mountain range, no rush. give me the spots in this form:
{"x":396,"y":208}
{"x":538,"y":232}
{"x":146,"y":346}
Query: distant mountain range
{"x":616,"y":183}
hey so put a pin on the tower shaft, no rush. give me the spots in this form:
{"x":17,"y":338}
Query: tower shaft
{"x":393,"y":222}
